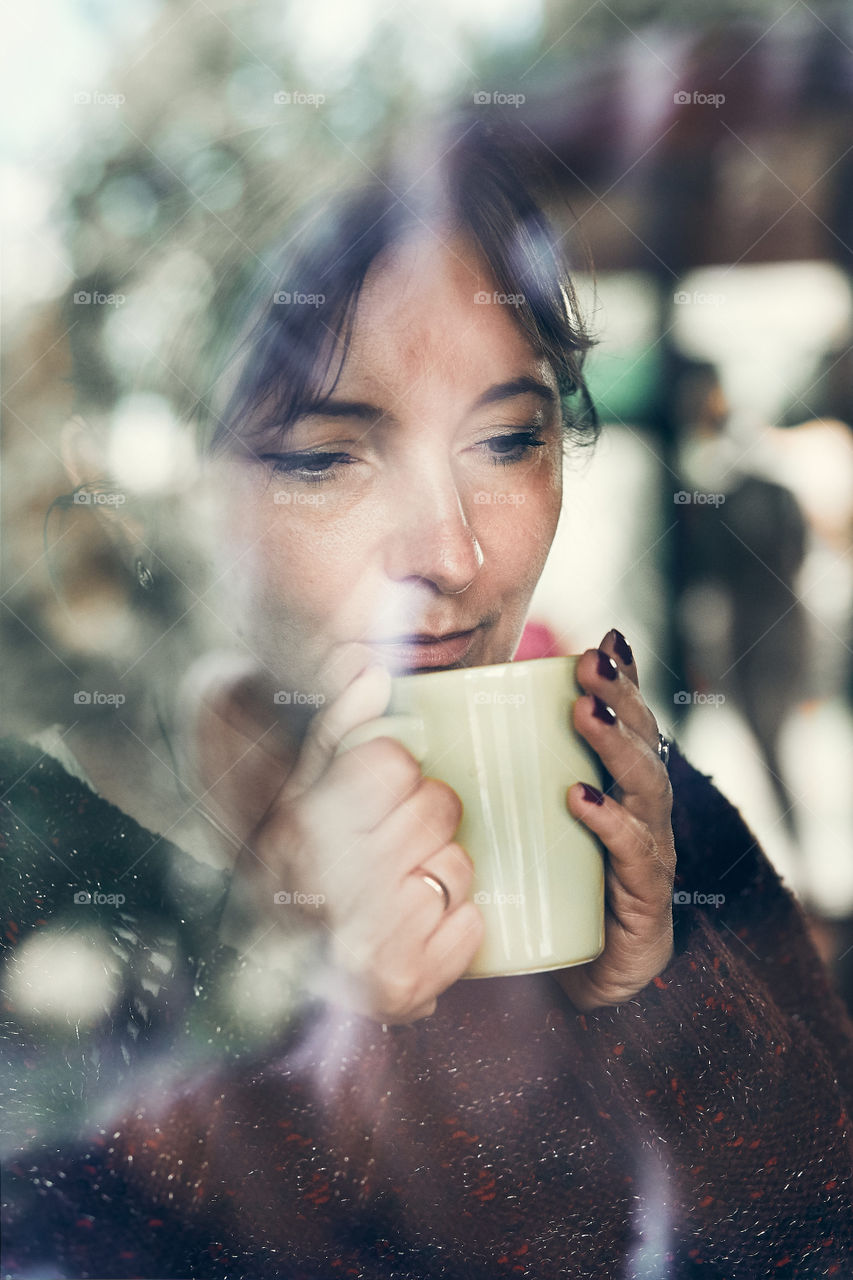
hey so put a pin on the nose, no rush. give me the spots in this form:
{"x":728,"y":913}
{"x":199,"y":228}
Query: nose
{"x":430,"y":538}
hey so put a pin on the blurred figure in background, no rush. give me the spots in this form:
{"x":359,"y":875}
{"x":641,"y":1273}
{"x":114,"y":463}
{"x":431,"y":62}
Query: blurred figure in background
{"x":741,"y":544}
{"x":763,"y":602}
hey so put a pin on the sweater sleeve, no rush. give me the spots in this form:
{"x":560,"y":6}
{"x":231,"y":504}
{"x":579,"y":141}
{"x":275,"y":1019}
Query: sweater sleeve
{"x":728,"y":877}
{"x":111,"y":968}
{"x":730,"y":1073}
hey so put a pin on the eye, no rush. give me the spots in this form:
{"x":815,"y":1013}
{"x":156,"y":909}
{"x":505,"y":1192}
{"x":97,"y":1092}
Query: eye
{"x":513,"y":446}
{"x":312,"y":466}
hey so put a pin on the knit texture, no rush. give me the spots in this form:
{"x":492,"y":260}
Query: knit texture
{"x":700,"y":1129}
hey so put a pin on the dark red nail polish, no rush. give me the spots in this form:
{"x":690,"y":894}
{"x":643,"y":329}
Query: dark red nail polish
{"x":606,"y":666}
{"x":592,"y":794}
{"x":601,"y":711}
{"x":622,"y":647}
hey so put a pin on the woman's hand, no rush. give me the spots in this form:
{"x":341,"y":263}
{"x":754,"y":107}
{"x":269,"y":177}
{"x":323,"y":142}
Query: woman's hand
{"x":344,"y":840}
{"x":634,"y":824}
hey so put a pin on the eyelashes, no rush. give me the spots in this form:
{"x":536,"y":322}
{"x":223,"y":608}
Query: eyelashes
{"x":314,"y":466}
{"x":514,"y":447}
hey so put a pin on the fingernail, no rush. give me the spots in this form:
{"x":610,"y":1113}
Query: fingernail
{"x":601,"y":711}
{"x":622,"y":647}
{"x":606,"y":666}
{"x":592,"y":794}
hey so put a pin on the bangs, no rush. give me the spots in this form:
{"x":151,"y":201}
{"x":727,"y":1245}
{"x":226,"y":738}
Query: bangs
{"x":299,"y":333}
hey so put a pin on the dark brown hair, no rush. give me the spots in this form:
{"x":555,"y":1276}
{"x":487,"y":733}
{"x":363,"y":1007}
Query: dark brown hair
{"x":484,"y":185}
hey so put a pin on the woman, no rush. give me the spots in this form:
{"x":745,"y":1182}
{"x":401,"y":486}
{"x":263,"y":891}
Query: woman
{"x":676,"y":1107}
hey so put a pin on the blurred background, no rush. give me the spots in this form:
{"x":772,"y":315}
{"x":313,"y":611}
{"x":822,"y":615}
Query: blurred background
{"x":152,"y":148}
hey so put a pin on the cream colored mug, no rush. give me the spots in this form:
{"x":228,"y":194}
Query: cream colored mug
{"x":501,"y":736}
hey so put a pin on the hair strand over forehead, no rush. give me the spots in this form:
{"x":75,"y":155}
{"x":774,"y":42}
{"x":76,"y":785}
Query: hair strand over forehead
{"x":285,"y":357}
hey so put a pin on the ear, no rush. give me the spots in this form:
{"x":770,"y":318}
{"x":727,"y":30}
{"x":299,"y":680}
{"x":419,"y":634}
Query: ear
{"x":82,"y":451}
{"x":85,"y":457}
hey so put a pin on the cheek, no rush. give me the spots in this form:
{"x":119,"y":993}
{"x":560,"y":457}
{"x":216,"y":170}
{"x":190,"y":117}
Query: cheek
{"x":300,"y":573}
{"x":305,"y":567}
{"x":316,"y":579}
{"x":286,"y":574}
{"x":519,"y":533}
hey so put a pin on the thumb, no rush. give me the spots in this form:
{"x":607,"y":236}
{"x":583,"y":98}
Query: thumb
{"x":364,"y":698}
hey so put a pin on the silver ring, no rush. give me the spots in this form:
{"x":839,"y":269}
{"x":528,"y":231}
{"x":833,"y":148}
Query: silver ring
{"x":664,"y":745}
{"x":439,"y":886}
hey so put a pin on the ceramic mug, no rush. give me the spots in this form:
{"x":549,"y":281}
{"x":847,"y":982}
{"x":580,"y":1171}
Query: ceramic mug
{"x":501,"y":736}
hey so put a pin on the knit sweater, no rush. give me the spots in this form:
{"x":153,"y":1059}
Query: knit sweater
{"x":700,"y":1129}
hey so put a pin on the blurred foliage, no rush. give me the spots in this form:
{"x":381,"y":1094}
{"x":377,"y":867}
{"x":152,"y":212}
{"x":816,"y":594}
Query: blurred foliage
{"x":168,"y":200}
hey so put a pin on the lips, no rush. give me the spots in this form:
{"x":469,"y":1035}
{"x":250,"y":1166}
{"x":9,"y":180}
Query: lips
{"x":426,"y":652}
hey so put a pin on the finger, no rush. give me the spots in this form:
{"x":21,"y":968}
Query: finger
{"x":425,"y":1010}
{"x":615,"y":644}
{"x":641,"y":867}
{"x":342,"y":665}
{"x":364,"y":698}
{"x":631,"y":761}
{"x":454,"y":868}
{"x":453,"y":945}
{"x":416,"y":962}
{"x":598,"y":673}
{"x":433,"y":955}
{"x":371,"y":861}
{"x":371,"y":870}
{"x":421,"y":824}
{"x":357,"y":793}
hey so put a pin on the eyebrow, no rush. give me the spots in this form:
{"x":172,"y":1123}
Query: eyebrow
{"x":523,"y":386}
{"x":364,"y":412}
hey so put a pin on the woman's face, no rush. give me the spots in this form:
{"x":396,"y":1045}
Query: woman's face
{"x":414,"y":514}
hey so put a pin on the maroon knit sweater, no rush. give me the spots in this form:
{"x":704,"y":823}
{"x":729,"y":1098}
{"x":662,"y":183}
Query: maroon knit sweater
{"x":700,"y":1129}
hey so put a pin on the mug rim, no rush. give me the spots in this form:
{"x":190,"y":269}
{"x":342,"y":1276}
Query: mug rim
{"x":488,"y":666}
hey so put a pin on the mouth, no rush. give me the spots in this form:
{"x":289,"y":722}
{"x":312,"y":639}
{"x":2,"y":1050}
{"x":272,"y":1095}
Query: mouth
{"x":423,"y":652}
